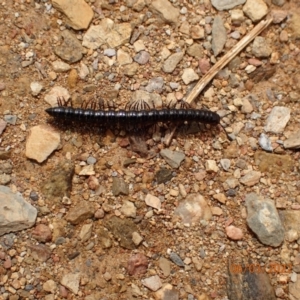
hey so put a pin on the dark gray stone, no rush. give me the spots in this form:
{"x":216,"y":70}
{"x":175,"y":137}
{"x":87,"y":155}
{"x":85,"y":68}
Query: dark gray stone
{"x":119,"y":187}
{"x":264,"y":221}
{"x":163,"y":175}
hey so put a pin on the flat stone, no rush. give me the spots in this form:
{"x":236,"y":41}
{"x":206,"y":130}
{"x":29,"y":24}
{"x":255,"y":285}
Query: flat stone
{"x":41,"y":142}
{"x":251,"y":178}
{"x":195,"y":50}
{"x":153,"y":283}
{"x":139,"y":46}
{"x":50,"y":286}
{"x":122,"y":229}
{"x":293,"y":141}
{"x":71,"y":282}
{"x":163,"y":175}
{"x":110,"y":52}
{"x":153,"y":201}
{"x":173,"y":158}
{"x":193,"y":209}
{"x":56,"y":92}
{"x":87,"y":171}
{"x":165,"y":53}
{"x":15,"y":213}
{"x":81,"y":212}
{"x":274,"y":164}
{"x":165,"y":11}
{"x":278,"y":16}
{"x":128,"y":209}
{"x":261,"y":48}
{"x":237,"y":16}
{"x":220,"y":197}
{"x":130,"y":69}
{"x":165,"y":266}
{"x":142,"y":57}
{"x":59,"y":181}
{"x":137,"y":238}
{"x":255,"y":9}
{"x":197,"y":32}
{"x":226,"y":4}
{"x":107,"y":32}
{"x":189,"y":75}
{"x":172,"y":61}
{"x":70,"y":48}
{"x":40,"y":252}
{"x":264,"y":221}
{"x":123,"y":57}
{"x":155,"y":84}
{"x":219,"y":35}
{"x":216,"y":211}
{"x":277,"y":119}
{"x":119,"y":187}
{"x":60,"y":66}
{"x":78,"y":13}
{"x":36,"y":88}
{"x":247,"y":107}
{"x":86,"y":232}
{"x":211,"y":166}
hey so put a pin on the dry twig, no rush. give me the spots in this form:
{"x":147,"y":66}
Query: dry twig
{"x":203,"y":82}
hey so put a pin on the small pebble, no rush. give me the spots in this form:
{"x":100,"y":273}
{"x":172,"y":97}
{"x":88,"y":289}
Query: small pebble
{"x":153,"y":201}
{"x":91,"y":160}
{"x":265,"y":142}
{"x":175,"y":258}
{"x":10,"y":119}
{"x":110,"y":52}
{"x":225,"y":163}
{"x":234,"y":233}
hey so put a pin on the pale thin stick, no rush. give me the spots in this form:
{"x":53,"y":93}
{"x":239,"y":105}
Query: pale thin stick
{"x":222,"y":63}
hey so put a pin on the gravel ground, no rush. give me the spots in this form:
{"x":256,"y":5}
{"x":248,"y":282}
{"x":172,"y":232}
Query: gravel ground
{"x":113,"y":213}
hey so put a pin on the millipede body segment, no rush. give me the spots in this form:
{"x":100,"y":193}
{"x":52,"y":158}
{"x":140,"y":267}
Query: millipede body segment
{"x":123,"y":117}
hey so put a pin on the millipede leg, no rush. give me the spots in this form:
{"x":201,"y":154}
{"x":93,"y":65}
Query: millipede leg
{"x":61,"y":101}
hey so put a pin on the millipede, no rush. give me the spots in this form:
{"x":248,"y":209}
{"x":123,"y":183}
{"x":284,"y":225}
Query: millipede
{"x":139,"y":113}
